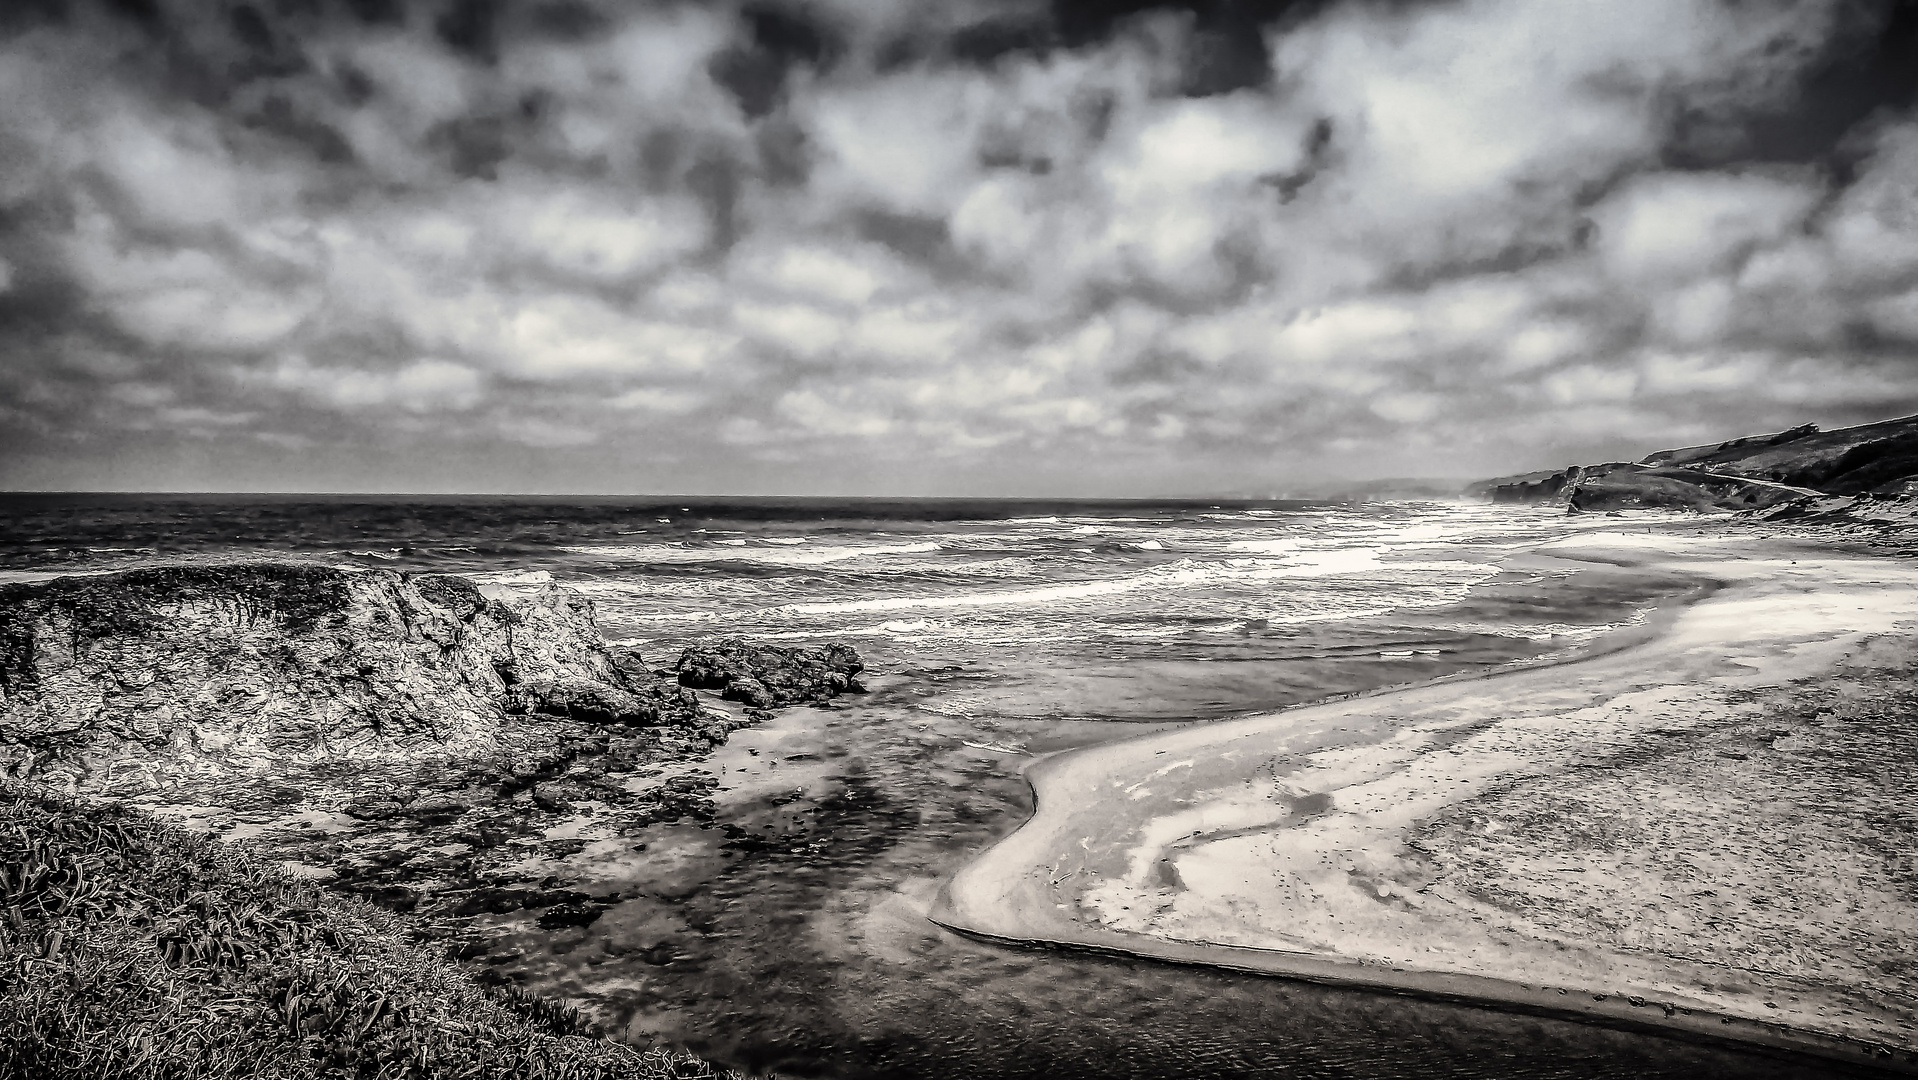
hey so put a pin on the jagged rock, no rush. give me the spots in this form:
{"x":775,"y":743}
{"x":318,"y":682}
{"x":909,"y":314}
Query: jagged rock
{"x":560,"y":795}
{"x":586,"y":699}
{"x":375,"y":808}
{"x":216,"y":669}
{"x":437,"y":809}
{"x":515,"y":898}
{"x":576,"y":913}
{"x":413,"y":736}
{"x":766,"y":676}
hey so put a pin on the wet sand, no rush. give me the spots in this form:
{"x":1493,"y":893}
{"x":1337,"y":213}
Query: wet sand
{"x":1697,"y":826}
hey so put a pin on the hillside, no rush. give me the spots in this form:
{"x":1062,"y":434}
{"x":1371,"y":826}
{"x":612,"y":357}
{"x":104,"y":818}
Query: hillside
{"x":1758,"y":472}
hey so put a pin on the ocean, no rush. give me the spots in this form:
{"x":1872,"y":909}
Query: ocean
{"x":789,"y":935}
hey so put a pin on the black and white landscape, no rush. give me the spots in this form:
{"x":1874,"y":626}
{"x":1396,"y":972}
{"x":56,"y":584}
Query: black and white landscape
{"x":564,"y":538}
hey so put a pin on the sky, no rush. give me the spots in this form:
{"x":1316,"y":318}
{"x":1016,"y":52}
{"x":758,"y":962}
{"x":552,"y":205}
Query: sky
{"x":972,"y":247}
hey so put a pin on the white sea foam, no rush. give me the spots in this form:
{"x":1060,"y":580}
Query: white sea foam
{"x":521,"y":578}
{"x":1416,"y":584}
{"x":1185,"y":573}
{"x":1279,"y":546}
{"x":789,"y":555}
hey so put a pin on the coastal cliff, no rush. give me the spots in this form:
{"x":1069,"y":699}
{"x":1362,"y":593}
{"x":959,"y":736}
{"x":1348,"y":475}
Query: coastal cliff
{"x":1791,"y":472}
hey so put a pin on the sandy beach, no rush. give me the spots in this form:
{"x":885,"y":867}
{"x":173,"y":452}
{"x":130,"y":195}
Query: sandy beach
{"x":1701,"y":824}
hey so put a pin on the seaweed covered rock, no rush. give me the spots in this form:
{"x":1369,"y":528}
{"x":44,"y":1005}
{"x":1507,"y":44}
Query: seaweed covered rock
{"x":767,"y":676}
{"x":209,"y":669}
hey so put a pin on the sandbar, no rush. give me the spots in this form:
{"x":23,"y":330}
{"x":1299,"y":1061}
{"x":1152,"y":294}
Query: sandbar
{"x":1702,"y":825}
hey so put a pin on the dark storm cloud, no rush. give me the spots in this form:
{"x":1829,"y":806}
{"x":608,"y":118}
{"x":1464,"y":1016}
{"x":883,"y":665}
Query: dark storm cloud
{"x":991,"y":242}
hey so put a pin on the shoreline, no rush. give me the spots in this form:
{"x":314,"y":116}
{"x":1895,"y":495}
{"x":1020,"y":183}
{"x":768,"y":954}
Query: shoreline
{"x":1237,"y":918}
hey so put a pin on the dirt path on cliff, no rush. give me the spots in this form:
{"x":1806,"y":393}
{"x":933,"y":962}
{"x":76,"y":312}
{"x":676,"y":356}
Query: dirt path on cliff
{"x":1600,"y":836}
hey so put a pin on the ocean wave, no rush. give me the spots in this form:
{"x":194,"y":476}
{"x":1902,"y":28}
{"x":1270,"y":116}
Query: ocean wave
{"x":1185,"y":573}
{"x":618,"y":590}
{"x":1362,"y":564}
{"x":790,"y":554}
{"x":520,"y":578}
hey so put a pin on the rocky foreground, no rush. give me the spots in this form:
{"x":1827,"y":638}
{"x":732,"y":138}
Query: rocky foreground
{"x":136,"y":950}
{"x":413,"y":739}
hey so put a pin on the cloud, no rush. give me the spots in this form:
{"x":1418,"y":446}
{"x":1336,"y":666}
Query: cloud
{"x":422,"y":386}
{"x":1664,"y":226}
{"x":983,"y":246}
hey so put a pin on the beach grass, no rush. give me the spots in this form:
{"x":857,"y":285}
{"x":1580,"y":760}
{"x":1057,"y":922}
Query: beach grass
{"x":131,"y":948}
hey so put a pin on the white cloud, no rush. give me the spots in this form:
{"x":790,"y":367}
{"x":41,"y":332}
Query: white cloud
{"x":796,"y":328}
{"x":546,"y":434}
{"x":1665,"y":225}
{"x":1588,"y":383}
{"x":1438,"y":230}
{"x":589,"y":234}
{"x":905,"y":141}
{"x":422,"y":386}
{"x":1542,"y":344}
{"x":178,"y":295}
{"x":802,"y":267}
{"x":922,"y":332}
{"x":655,"y":399}
{"x":1896,"y":316}
{"x":1679,"y":373}
{"x":833,"y":415}
{"x":562,"y":336}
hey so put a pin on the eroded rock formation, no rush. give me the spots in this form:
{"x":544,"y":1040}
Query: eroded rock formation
{"x":407,"y":738}
{"x":214,"y":669}
{"x":767,"y":676}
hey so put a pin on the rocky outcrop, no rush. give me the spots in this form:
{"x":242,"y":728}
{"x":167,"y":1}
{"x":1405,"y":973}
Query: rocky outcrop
{"x":410,"y":739}
{"x":766,"y":676}
{"x":223,"y":668}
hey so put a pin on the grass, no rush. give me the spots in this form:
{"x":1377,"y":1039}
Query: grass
{"x":130,"y":948}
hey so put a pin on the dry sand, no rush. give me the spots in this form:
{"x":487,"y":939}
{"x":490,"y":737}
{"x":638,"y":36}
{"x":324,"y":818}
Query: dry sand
{"x":1705,"y":824}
